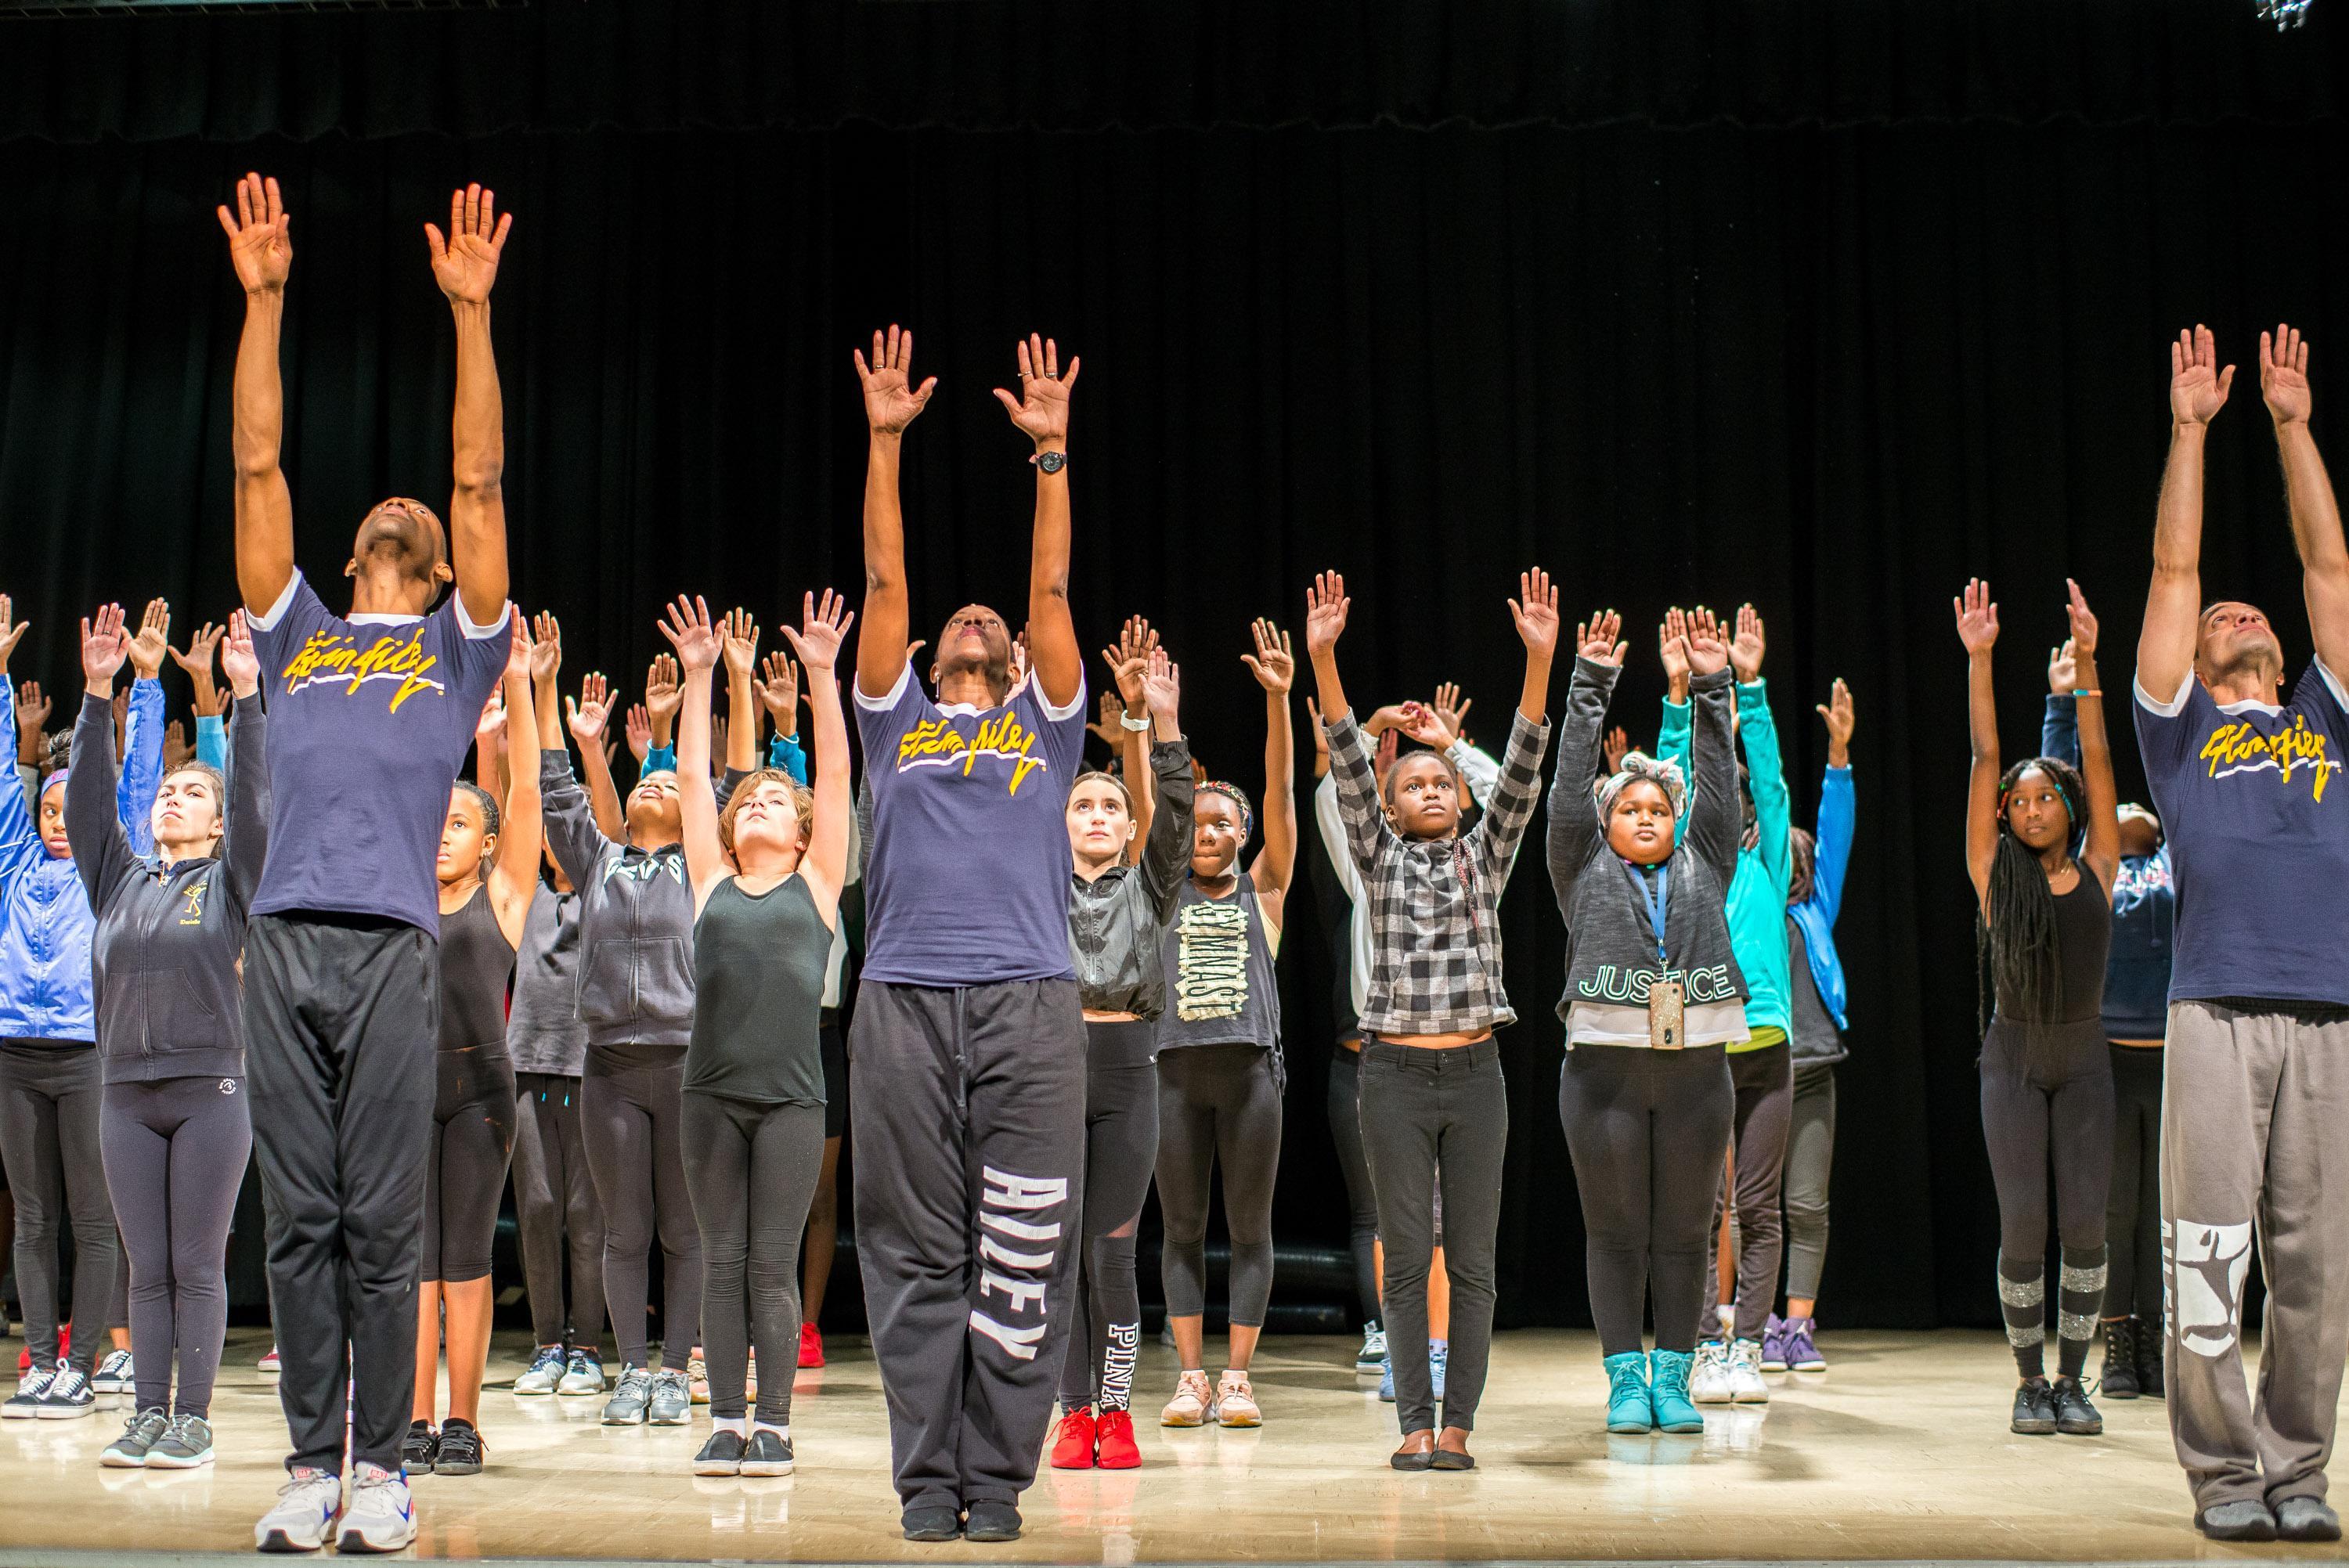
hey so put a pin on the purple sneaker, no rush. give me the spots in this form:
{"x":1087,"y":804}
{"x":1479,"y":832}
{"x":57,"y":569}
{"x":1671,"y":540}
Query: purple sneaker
{"x":1774,"y":1345}
{"x":1802,"y":1350}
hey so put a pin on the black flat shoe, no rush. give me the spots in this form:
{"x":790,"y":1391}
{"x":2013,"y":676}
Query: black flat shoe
{"x":938,"y":1522}
{"x":1453,"y":1460}
{"x":991,"y":1521}
{"x":1405,"y":1460}
{"x":2034,"y":1409}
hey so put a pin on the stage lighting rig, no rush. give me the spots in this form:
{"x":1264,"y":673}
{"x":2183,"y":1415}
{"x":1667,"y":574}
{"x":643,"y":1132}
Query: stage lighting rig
{"x":2285,"y":13}
{"x":136,"y":8}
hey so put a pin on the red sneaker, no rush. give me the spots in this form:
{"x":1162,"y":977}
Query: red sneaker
{"x":1074,"y":1449}
{"x":811,"y":1344}
{"x":1116,"y":1441}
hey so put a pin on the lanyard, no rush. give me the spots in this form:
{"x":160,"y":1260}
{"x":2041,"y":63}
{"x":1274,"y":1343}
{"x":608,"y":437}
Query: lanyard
{"x":1659,"y":901}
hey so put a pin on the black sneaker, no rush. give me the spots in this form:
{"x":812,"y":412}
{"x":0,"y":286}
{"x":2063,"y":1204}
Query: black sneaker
{"x":2074,"y":1416}
{"x":2034,"y":1409}
{"x":26,"y":1402}
{"x":767,"y":1453}
{"x":721,"y":1455}
{"x":420,"y":1448}
{"x":2117,"y":1380}
{"x":69,"y":1395}
{"x":460,"y":1449}
{"x":936,"y":1522}
{"x":991,"y":1521}
{"x":2151,"y":1341}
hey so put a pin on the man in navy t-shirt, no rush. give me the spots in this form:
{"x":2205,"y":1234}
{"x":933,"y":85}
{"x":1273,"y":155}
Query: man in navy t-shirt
{"x":2255,"y":1130}
{"x":370,"y":715}
{"x":969,"y":1044}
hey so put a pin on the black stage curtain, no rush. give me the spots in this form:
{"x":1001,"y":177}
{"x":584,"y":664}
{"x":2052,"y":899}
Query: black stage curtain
{"x":1831,"y":371}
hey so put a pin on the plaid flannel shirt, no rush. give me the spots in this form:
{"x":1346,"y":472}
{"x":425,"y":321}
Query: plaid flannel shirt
{"x":1433,"y":903}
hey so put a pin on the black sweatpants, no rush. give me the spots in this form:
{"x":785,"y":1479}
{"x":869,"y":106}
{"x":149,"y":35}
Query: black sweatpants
{"x":1217,"y":1107}
{"x":49,"y":1098}
{"x":2133,"y":1204}
{"x":465,"y":1166}
{"x":2049,"y":1105}
{"x":754,"y":1173}
{"x":1437,"y":1119}
{"x":555,"y":1200}
{"x":341,"y":1017}
{"x":1120,"y":1152}
{"x":632,"y":1123}
{"x":1345,"y":1108}
{"x":1762,"y":1083}
{"x":175,"y":1154}
{"x":969,"y":1107}
{"x":1649,"y":1131}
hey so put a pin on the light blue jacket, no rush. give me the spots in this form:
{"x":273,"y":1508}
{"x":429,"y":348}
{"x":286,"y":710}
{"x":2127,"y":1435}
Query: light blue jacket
{"x":1757,"y":893}
{"x":45,"y":915}
{"x":1838,"y":813}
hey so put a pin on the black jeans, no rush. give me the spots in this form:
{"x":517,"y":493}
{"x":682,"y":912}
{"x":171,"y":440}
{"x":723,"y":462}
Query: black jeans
{"x":1345,"y":1107}
{"x":50,"y":1100}
{"x":2133,"y":1206}
{"x":1430,"y":1117}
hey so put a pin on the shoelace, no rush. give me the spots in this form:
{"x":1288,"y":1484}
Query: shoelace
{"x":190,"y":1432}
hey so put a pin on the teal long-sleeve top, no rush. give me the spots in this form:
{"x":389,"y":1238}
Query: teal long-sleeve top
{"x":1757,"y":893}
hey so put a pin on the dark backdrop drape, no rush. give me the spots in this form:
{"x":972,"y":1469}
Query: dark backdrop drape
{"x":1831,"y":368}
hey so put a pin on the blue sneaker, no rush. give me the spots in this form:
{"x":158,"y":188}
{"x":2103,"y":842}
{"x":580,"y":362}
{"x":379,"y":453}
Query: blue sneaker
{"x":1627,"y":1407}
{"x":1668,"y":1391}
{"x":1386,"y":1378}
{"x":1439,"y":1357}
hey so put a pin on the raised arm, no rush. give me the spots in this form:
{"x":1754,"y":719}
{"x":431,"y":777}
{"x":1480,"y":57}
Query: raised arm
{"x":695,"y":639}
{"x":2308,"y":491}
{"x":20,"y":841}
{"x":244,"y":846}
{"x":465,"y":266}
{"x":2059,"y":726}
{"x":825,"y":865}
{"x":514,"y":878}
{"x":261,"y":251}
{"x":489,"y":737}
{"x":1831,"y":855}
{"x":1041,"y":412}
{"x":2103,"y":849}
{"x":739,"y":637}
{"x":143,"y":728}
{"x":1765,"y":766}
{"x":1978,"y":629}
{"x":101,"y":848}
{"x":1167,"y":851}
{"x":890,"y":403}
{"x":1128,"y":663}
{"x":589,"y":716}
{"x":2173,"y":605}
{"x":1519,"y":792}
{"x":1716,"y":824}
{"x":1274,"y":664}
{"x":1574,"y":827}
{"x":1353,"y":781}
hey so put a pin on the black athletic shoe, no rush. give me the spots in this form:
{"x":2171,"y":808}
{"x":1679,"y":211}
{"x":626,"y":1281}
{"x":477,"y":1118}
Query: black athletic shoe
{"x":721,"y":1455}
{"x":991,"y":1521}
{"x":2151,"y":1341}
{"x":420,"y":1448}
{"x":936,"y":1522}
{"x":460,"y":1449}
{"x":2034,"y":1409}
{"x":2074,"y":1416}
{"x":767,"y":1453}
{"x":2118,"y":1379}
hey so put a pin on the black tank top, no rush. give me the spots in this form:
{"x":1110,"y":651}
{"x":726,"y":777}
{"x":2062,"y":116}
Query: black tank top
{"x":2084,"y":935}
{"x":1220,"y":985}
{"x":759,"y":962}
{"x":476,"y":961}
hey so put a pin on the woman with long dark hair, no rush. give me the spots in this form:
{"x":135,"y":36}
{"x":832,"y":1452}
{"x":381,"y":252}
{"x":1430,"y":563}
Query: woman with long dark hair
{"x":2046,"y":1079}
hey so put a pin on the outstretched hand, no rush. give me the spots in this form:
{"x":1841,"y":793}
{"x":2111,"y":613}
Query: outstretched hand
{"x":587,"y":714}
{"x":1534,"y":611}
{"x":1128,"y":663}
{"x":1615,"y":748}
{"x":198,"y":660}
{"x":2063,"y":669}
{"x":1274,"y":663}
{"x":104,"y":645}
{"x":521,"y":651}
{"x":822,"y":628}
{"x":2197,"y":387}
{"x":1162,"y":685}
{"x":465,"y":260}
{"x":1672,"y":648}
{"x":778,"y":691}
{"x":239,"y":662}
{"x":1451,"y":709}
{"x":2084,"y":622}
{"x":1838,"y":712}
{"x":691,"y":632}
{"x":1977,"y":618}
{"x":2284,"y":375}
{"x":1041,"y":409}
{"x":546,"y":648}
{"x":1425,"y":725}
{"x":1746,"y":649}
{"x":1708,"y":641}
{"x":12,"y":631}
{"x":260,"y":235}
{"x":1326,"y":605}
{"x":153,"y":642}
{"x":891,"y":400}
{"x":741,"y":634}
{"x":1600,"y":639}
{"x":664,"y":694}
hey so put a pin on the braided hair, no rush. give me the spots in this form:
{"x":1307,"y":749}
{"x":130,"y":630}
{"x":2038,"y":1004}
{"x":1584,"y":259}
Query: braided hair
{"x":2016,"y":948}
{"x":489,"y":804}
{"x":1238,"y":797}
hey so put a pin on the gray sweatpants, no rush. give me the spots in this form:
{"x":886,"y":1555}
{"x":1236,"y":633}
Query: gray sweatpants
{"x":2255,"y":1144}
{"x":970,"y":1113}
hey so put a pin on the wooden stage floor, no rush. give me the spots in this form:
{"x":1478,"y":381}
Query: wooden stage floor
{"x":1899,"y":1451}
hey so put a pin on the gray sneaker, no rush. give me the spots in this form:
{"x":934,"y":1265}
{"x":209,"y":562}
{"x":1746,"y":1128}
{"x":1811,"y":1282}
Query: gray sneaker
{"x":130,"y":1450}
{"x":583,"y":1374}
{"x":628,"y":1401}
{"x":186,"y":1444}
{"x":545,"y":1372}
{"x":2306,"y":1518}
{"x":672,"y":1401}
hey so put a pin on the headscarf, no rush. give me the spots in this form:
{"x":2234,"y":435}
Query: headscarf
{"x":1665,"y":775}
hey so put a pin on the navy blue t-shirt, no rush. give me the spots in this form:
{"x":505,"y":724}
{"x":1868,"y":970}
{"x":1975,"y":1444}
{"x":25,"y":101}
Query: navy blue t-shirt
{"x":370,"y":719}
{"x":2257,"y":818}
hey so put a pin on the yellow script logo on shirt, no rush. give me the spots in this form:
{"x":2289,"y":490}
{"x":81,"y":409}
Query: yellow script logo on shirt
{"x":2239,"y":749}
{"x":934,"y":743}
{"x":331,"y":656}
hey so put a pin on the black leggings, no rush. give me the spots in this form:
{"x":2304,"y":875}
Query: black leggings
{"x":465,"y":1165}
{"x":1345,"y":1106}
{"x":175,"y":1154}
{"x":1764,"y":1084}
{"x":1217,"y":1104}
{"x":49,"y":1140}
{"x":753,"y":1174}
{"x":2133,"y":1207}
{"x":2049,"y":1102}
{"x":1120,"y":1148}
{"x":1649,"y":1131}
{"x":631,"y":1121}
{"x":555,"y":1200}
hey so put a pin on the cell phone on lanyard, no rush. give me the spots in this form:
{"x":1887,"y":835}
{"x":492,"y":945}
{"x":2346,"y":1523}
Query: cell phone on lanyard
{"x":1667,"y":1016}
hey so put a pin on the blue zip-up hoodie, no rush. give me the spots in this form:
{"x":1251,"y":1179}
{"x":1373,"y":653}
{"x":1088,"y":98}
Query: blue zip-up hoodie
{"x":1830,"y":859}
{"x":2145,"y":910}
{"x":45,"y":917}
{"x":1757,"y":893}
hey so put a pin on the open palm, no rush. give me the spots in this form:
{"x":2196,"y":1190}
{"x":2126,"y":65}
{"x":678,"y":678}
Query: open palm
{"x":465,"y":260}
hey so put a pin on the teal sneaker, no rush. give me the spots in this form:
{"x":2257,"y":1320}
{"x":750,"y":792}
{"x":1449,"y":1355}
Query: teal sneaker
{"x":1627,"y":1408}
{"x":1668,"y":1389}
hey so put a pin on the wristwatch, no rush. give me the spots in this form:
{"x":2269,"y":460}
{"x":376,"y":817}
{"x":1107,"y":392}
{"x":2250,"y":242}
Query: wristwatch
{"x":1052,"y":462}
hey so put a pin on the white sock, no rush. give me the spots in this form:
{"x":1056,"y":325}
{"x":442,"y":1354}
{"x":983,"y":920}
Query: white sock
{"x":784,"y":1432}
{"x":738,"y":1425}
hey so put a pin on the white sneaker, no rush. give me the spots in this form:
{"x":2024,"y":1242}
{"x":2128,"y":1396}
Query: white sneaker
{"x":1373,"y":1355}
{"x":1235,"y":1401}
{"x":304,"y":1514}
{"x":114,"y":1374}
{"x":380,"y":1515}
{"x":1709,"y":1383}
{"x":1192,"y":1402}
{"x":1745,"y":1385}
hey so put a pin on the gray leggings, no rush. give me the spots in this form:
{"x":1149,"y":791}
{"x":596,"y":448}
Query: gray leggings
{"x":1764,"y":1084}
{"x":555,"y":1203}
{"x":753,"y":1175}
{"x":1217,"y":1106}
{"x":49,"y":1141}
{"x":1810,"y":1157}
{"x":175,"y":1154}
{"x":630,"y":1120}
